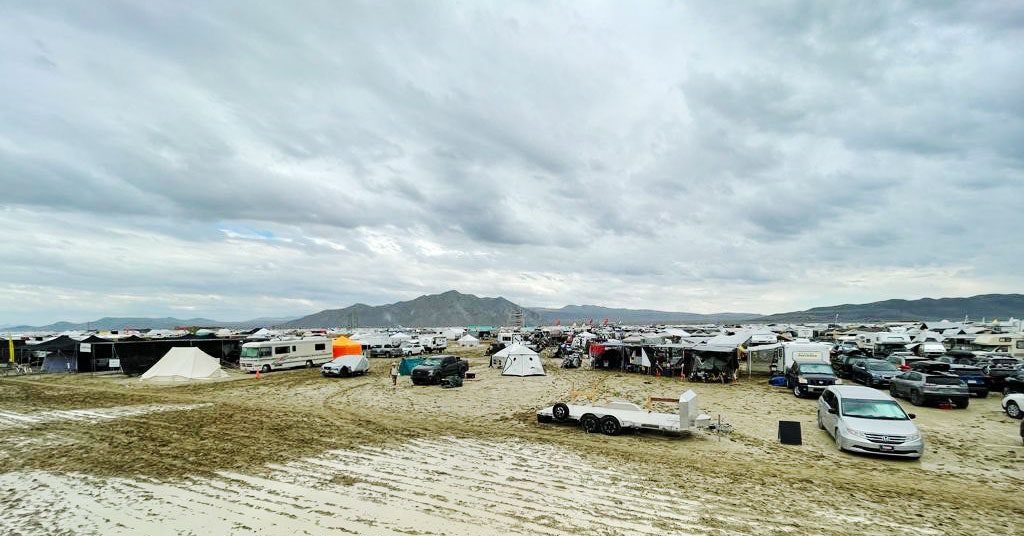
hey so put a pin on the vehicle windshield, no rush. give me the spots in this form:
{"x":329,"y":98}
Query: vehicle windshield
{"x":882,"y":366}
{"x":250,"y":352}
{"x":431,"y":361}
{"x":1004,"y":362}
{"x":972,"y":371}
{"x":873,"y":409}
{"x":815,"y":368}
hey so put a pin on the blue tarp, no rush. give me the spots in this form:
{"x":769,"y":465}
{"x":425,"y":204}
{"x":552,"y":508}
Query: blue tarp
{"x":56,"y":363}
{"x":407,"y":364}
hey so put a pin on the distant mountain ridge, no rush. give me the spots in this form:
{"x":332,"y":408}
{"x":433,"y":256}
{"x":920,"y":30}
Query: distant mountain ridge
{"x":119,"y":323}
{"x":450,"y":308}
{"x":975,"y":307}
{"x":597,"y":313}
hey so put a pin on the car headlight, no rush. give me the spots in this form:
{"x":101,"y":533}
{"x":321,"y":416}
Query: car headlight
{"x":801,"y":379}
{"x":839,"y":381}
{"x":914,"y":437}
{"x":855,"y":433}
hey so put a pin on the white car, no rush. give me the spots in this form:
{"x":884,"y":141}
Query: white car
{"x":412,"y":349}
{"x":862,"y":419}
{"x":1013,"y":405}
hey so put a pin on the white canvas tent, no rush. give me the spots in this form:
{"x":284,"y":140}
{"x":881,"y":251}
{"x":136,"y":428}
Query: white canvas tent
{"x":183,"y":364}
{"x":521,"y":361}
{"x":469,"y":340}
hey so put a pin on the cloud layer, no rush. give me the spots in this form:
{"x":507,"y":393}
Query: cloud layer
{"x":240,"y":161}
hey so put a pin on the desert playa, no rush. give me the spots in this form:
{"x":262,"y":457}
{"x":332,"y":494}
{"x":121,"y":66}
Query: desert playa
{"x":296,"y":453}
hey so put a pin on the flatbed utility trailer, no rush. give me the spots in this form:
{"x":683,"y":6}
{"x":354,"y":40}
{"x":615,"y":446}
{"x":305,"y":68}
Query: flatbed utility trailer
{"x":616,"y":416}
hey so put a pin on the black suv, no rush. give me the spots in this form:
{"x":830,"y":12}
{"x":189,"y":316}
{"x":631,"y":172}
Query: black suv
{"x":810,"y":378}
{"x":1014,"y":384}
{"x":431,"y":370}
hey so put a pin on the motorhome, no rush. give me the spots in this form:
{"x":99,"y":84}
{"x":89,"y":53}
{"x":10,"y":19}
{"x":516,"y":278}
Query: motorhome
{"x":277,"y":354}
{"x":882,"y":343}
{"x":803,"y":352}
{"x":1005,"y":343}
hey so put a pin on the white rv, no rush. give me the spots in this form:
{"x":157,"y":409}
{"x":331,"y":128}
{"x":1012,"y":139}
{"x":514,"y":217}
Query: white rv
{"x":1009,"y":343}
{"x":882,"y":343}
{"x":277,"y":354}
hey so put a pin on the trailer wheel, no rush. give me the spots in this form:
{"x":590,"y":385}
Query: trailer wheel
{"x":590,"y":423}
{"x":265,"y":369}
{"x":560,"y":412}
{"x":309,"y":364}
{"x":610,"y":425}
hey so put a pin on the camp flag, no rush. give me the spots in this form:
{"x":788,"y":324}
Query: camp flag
{"x":10,"y":348}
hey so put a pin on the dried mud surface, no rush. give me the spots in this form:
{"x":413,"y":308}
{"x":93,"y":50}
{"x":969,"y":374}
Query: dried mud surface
{"x":294,"y":453}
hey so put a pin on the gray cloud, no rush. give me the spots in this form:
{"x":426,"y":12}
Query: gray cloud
{"x":162,"y":157}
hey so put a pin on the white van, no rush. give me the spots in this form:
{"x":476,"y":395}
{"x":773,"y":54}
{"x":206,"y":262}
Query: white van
{"x":277,"y":354}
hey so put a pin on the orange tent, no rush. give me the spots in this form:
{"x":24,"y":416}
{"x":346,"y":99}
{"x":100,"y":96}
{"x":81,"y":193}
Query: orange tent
{"x":346,"y":346}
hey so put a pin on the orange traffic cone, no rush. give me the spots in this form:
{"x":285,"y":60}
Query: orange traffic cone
{"x":258,"y":375}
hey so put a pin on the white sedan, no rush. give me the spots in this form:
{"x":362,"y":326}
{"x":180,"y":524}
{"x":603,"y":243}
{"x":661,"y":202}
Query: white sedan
{"x":1013,"y":405}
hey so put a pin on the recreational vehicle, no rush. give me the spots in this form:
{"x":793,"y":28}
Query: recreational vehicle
{"x":276,"y":354}
{"x":1006,"y":343}
{"x":882,"y":343}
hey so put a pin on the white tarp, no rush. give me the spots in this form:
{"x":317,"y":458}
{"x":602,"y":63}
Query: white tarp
{"x":182,"y":364}
{"x":469,"y":340}
{"x":355,"y":363}
{"x":640,"y":359}
{"x":521,"y":361}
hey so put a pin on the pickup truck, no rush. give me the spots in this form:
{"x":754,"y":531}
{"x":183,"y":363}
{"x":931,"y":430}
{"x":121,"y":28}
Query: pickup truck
{"x":385,"y":351}
{"x":432,"y":369}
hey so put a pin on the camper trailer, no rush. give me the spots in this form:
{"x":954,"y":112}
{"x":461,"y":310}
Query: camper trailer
{"x":277,"y":354}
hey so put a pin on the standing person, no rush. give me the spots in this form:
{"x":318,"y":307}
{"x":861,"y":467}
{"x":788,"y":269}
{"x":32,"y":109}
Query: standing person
{"x":394,"y":374}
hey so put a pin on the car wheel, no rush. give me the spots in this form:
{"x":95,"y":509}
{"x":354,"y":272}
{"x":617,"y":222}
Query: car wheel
{"x":590,"y":423}
{"x":839,"y":441}
{"x":345,"y":372}
{"x":820,"y":424}
{"x":265,"y":369}
{"x":962,"y":403}
{"x":916,"y":398}
{"x":610,"y":425}
{"x":892,"y":392}
{"x":1013,"y":410}
{"x":560,"y":412}
{"x":796,"y":392}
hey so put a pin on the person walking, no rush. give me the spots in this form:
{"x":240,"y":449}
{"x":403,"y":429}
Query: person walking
{"x":394,"y":374}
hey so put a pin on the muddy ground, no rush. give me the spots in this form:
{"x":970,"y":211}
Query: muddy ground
{"x":294,"y":453}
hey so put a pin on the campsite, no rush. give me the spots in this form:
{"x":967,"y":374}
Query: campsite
{"x":294,"y":451}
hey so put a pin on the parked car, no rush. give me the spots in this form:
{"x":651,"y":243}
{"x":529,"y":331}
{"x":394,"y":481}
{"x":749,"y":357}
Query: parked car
{"x":810,"y":378}
{"x":1013,"y":405}
{"x":433,"y":369}
{"x":975,"y":378}
{"x":861,"y":419}
{"x":874,"y":372}
{"x":958,"y":357}
{"x":848,"y":361}
{"x":999,"y":368}
{"x":903,"y":361}
{"x":385,"y":351}
{"x":412,"y":349}
{"x":345,"y":366}
{"x":1014,"y":383}
{"x":924,"y":387}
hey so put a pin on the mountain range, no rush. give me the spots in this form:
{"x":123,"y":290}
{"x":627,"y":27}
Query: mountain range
{"x":975,"y":307}
{"x":453,"y":308}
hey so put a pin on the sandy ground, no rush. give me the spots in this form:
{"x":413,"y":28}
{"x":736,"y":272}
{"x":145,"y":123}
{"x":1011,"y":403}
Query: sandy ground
{"x":294,"y":453}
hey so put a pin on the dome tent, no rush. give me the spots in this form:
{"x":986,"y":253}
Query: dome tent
{"x":185,"y":363}
{"x":521,"y":361}
{"x":345,"y":346}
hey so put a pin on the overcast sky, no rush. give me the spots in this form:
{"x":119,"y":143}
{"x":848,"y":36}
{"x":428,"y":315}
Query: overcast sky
{"x":235,"y":160}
